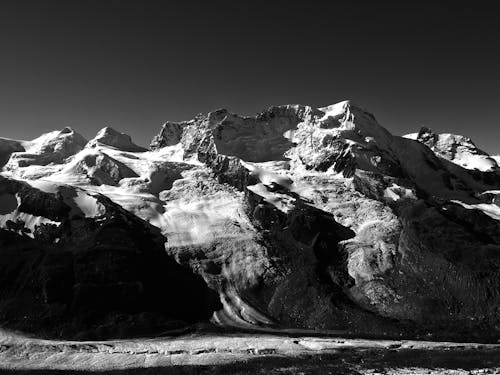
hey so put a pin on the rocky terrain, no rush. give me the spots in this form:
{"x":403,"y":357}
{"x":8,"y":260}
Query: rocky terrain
{"x":299,"y":217}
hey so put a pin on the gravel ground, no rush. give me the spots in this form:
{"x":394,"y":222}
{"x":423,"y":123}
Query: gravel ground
{"x":245,"y":354}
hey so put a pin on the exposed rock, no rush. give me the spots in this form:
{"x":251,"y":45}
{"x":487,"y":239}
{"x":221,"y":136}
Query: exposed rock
{"x":98,"y":167}
{"x":170,"y":134}
{"x":7,"y":147}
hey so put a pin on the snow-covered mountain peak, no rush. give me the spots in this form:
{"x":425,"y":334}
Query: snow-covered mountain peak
{"x":458,"y":149}
{"x":53,"y":147}
{"x":55,"y":139}
{"x":108,"y":136}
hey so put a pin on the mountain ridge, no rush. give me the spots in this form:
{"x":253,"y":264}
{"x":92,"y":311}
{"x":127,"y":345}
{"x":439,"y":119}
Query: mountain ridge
{"x":302,"y":217}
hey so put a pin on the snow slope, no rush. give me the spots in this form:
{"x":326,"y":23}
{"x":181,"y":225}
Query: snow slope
{"x":112,"y":138}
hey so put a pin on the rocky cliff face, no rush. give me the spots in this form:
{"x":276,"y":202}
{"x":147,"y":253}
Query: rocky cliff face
{"x":300,"y":217}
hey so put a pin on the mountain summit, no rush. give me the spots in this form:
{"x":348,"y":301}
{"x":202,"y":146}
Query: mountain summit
{"x":298,"y":217}
{"x":110,"y":137}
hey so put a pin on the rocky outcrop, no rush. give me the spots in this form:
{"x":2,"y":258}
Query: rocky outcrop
{"x":170,"y":134}
{"x":256,"y":139}
{"x":7,"y":147}
{"x":98,"y":167}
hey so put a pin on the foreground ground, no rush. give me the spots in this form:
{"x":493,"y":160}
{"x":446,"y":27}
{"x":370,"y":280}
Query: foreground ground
{"x":244,"y":353}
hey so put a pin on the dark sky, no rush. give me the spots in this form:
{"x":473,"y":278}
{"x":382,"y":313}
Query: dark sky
{"x":134,"y":64}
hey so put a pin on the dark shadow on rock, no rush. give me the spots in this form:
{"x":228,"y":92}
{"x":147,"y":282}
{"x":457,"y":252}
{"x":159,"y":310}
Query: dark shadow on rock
{"x":104,"y":290}
{"x":93,"y":278}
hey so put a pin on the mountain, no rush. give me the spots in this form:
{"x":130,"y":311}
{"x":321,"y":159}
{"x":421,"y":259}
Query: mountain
{"x":112,"y":138}
{"x":456,"y":148}
{"x":299,"y":217}
{"x":53,"y":147}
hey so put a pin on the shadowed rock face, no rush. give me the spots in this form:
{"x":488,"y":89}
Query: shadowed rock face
{"x":92,"y":277}
{"x":7,"y":147}
{"x":303,"y":217}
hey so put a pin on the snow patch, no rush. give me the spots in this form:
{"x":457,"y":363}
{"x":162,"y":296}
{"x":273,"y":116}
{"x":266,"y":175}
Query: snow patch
{"x":412,"y":136}
{"x":334,"y":110}
{"x":201,"y":221}
{"x":264,"y":172}
{"x":88,"y":204}
{"x":492,"y":210}
{"x":395,"y":193}
{"x":480,"y":162}
{"x":282,"y":202}
{"x":44,"y":185}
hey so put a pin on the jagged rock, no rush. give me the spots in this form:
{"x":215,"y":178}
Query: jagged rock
{"x":170,"y":134}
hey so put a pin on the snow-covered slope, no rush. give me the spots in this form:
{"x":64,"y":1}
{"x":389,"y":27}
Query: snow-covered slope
{"x":47,"y":150}
{"x":301,"y":217}
{"x":112,"y":138}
